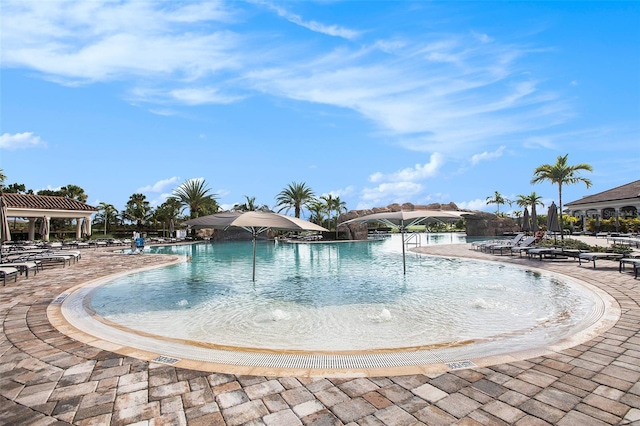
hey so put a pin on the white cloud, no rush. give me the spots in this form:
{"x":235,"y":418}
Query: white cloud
{"x":343,"y":192}
{"x":476,"y":204}
{"x":476,"y":158}
{"x":452,"y":93}
{"x":387,"y":193}
{"x":20,"y":141}
{"x":417,"y":172}
{"x":160,"y":186}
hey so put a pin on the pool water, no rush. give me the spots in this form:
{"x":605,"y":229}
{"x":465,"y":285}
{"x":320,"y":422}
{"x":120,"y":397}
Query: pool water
{"x":346,"y":296}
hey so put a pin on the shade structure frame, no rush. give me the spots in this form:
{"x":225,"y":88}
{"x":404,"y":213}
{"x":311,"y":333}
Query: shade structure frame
{"x":255,"y":222}
{"x":397,"y":220}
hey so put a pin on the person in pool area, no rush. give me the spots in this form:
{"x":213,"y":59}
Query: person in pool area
{"x":140,"y":243}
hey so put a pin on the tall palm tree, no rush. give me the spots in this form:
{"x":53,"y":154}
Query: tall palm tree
{"x":194,"y":194}
{"x":108,"y":212}
{"x":562,"y":174}
{"x":498,"y":199}
{"x":168,"y":211}
{"x":296,"y":195}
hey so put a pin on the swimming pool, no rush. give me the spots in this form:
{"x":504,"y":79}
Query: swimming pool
{"x":345,"y":298}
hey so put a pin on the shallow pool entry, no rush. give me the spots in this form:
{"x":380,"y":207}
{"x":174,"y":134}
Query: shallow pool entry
{"x":344,"y":298}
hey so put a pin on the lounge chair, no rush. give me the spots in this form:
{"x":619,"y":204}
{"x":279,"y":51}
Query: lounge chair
{"x":592,"y":256}
{"x":24,"y":267}
{"x":8,"y":272}
{"x":633,"y":261}
{"x":523,"y":246}
{"x":500,"y":245}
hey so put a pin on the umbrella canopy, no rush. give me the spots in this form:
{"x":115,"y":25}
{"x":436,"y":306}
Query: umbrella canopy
{"x":5,"y":235}
{"x":44,"y":229}
{"x":85,"y":227}
{"x":171,"y":227}
{"x":526,"y":224}
{"x":255,"y":222}
{"x":403,"y":219}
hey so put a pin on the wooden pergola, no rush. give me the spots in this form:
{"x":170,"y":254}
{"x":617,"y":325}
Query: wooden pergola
{"x":46,"y":207}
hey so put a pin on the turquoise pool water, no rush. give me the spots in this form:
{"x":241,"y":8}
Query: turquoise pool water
{"x":342,"y":297}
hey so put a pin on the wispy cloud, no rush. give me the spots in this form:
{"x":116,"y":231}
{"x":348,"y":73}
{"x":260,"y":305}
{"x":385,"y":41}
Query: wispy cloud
{"x":449,"y":93}
{"x":20,"y":141}
{"x":331,"y":30}
{"x":161,"y":185}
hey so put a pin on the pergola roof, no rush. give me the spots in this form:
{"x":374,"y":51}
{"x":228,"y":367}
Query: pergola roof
{"x":29,"y":205}
{"x":630,"y":191}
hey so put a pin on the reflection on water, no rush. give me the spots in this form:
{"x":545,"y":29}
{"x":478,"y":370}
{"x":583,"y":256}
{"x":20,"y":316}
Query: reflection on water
{"x":339,"y":296}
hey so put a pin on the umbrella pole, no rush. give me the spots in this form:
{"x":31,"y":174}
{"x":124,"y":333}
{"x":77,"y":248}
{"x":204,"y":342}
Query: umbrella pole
{"x":254,"y":256}
{"x":404,"y":264}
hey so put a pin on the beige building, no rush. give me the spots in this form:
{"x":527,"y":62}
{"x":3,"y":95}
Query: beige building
{"x":620,"y":202}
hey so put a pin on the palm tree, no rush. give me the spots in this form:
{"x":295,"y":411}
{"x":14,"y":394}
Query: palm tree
{"x":168,"y":211}
{"x":195,"y":194}
{"x":296,"y":195}
{"x":250,"y":205}
{"x":108,"y":212}
{"x":498,"y":199}
{"x":562,"y":174}
{"x":334,"y":204}
{"x":532,"y":200}
{"x":138,"y":210}
{"x":318,"y":210}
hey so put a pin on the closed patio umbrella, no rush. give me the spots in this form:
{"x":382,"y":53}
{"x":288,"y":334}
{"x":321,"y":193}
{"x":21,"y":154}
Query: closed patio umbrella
{"x":552,"y":220}
{"x":171,"y":227}
{"x":85,"y":227}
{"x":402,"y":220}
{"x":526,"y":221}
{"x":534,"y":219}
{"x":44,"y":229}
{"x":5,"y":235}
{"x":255,"y":222}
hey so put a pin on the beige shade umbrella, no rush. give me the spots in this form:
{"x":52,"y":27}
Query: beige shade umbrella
{"x":171,"y":227}
{"x":402,"y":220}
{"x":255,"y":222}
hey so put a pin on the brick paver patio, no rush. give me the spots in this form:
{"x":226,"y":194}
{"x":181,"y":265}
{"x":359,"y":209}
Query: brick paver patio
{"x":48,"y":378}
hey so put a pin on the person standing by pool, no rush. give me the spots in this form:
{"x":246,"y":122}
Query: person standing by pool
{"x":140,"y":243}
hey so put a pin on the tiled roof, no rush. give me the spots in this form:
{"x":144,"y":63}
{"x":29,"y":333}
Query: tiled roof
{"x":628,"y":191}
{"x":45,"y":202}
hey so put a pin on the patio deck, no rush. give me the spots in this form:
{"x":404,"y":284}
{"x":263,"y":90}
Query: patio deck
{"x":49,"y":378}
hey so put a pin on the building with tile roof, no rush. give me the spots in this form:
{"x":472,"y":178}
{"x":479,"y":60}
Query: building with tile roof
{"x":45,"y":207}
{"x":621,"y":202}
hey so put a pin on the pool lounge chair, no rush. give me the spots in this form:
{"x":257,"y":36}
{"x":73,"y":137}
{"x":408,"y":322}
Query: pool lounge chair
{"x":24,"y":267}
{"x":501,"y":245}
{"x":633,"y":261}
{"x":524,"y":245}
{"x":593,"y":256}
{"x":8,"y":272}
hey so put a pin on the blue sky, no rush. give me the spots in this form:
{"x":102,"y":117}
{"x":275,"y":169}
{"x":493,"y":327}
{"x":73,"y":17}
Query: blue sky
{"x":375,"y":102}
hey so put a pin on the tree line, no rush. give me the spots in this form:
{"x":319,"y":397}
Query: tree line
{"x":191,"y":199}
